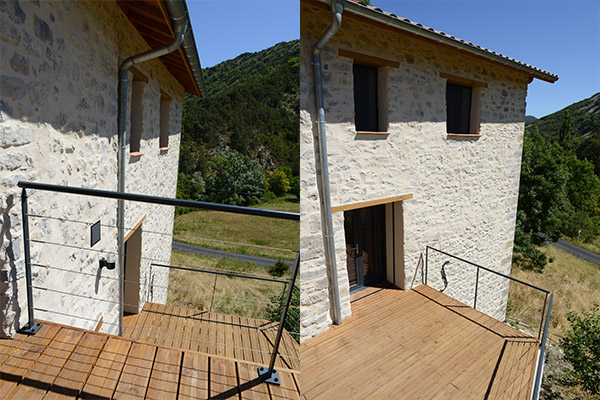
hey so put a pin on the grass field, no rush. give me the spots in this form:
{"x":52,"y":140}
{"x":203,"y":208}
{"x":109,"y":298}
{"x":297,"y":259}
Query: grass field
{"x":574,"y":282}
{"x":267,"y":237}
{"x":227,"y":295}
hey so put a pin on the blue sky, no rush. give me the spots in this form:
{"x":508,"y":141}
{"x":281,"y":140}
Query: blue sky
{"x":562,"y":37}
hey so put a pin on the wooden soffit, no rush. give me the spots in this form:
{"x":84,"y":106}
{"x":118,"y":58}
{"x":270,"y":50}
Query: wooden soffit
{"x":151,"y":19}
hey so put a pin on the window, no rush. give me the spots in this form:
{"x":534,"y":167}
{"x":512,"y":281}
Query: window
{"x":366,"y":107}
{"x":463,"y":103}
{"x":370,"y":92}
{"x":136,"y":115}
{"x":165,"y":107}
{"x":458,"y":108}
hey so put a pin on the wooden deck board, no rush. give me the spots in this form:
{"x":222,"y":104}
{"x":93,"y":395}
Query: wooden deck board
{"x":415,"y":344}
{"x":61,"y":362}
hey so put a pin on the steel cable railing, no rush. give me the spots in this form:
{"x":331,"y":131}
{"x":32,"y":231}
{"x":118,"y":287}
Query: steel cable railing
{"x":277,"y":302}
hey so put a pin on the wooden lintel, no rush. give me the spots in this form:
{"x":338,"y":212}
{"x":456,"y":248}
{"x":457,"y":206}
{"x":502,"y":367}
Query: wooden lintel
{"x":365,"y":59}
{"x":370,"y":203}
{"x":462,"y":80}
{"x":135,"y":228}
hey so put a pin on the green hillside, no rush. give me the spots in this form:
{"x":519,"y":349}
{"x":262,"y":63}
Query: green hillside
{"x":585,"y":128}
{"x":252,"y":107}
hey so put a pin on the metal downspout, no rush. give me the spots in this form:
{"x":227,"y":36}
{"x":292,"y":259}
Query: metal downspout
{"x":180,"y":26}
{"x":320,"y":142}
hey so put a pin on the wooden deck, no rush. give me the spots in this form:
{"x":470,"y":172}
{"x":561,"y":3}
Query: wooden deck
{"x":419,"y":344}
{"x":61,"y":362}
{"x":240,"y":338}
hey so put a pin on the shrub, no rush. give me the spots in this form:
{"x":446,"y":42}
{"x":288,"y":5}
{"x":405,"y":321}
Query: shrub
{"x":279,"y":183}
{"x":279,"y":268}
{"x":581,"y":345}
{"x":292,"y":321}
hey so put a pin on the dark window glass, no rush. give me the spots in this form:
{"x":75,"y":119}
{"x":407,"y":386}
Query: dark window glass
{"x":366,"y":112}
{"x":458,"y":108}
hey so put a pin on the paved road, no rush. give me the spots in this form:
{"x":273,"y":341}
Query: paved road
{"x":577,"y":251}
{"x":260,"y":261}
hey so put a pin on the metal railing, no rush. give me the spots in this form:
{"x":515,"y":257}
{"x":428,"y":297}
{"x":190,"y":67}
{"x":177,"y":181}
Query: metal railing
{"x":546,"y":309}
{"x":268,"y":374}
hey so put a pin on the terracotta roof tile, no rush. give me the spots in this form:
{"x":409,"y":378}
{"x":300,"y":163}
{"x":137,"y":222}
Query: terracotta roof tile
{"x":416,"y":24}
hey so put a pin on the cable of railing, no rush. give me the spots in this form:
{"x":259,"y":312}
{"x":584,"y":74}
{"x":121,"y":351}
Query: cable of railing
{"x":160,"y":200}
{"x":149,"y":231}
{"x":225,"y":274}
{"x":510,"y":278}
{"x":131,"y":257}
{"x":489,"y":270}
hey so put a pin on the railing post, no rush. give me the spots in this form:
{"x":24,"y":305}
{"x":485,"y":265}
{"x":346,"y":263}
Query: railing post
{"x":32,"y":327}
{"x":476,"y":287}
{"x":426,"y":262}
{"x":542,"y":320}
{"x":540,"y":366}
{"x":270,"y":375}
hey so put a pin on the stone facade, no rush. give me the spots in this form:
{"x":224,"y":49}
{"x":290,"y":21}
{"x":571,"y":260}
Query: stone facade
{"x":464,"y":190}
{"x":58,"y":118}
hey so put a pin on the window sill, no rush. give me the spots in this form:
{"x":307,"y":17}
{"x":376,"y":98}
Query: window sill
{"x":136,"y":154}
{"x":466,"y":135}
{"x":372,"y":133}
{"x":163,"y":149}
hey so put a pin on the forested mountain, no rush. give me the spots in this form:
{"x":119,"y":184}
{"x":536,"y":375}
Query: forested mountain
{"x":252,"y":107}
{"x":584,"y":128}
{"x":559,"y":188}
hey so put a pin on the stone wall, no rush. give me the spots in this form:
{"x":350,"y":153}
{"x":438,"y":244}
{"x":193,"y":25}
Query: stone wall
{"x":464,"y":190}
{"x":58,"y":115}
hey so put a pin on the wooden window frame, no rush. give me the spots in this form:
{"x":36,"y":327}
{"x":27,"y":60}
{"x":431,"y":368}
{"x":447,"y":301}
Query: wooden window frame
{"x":475,"y":105}
{"x":382,"y":66}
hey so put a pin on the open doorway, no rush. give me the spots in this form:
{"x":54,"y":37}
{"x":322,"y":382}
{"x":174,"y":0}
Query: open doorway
{"x":133,"y":254}
{"x":365,"y":245}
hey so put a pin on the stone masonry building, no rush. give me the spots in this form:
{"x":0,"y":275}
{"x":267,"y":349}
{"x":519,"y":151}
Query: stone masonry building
{"x":58,"y":114}
{"x":423,"y":135}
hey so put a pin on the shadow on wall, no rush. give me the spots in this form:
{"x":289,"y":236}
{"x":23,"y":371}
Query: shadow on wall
{"x":8,"y":276}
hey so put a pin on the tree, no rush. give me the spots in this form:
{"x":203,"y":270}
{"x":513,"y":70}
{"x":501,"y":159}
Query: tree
{"x":565,"y":140}
{"x":234,"y":179}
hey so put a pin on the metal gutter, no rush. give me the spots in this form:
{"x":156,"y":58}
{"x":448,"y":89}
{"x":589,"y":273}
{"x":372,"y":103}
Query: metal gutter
{"x":429,"y":34}
{"x":178,"y":11}
{"x":322,"y":170}
{"x":181,"y":25}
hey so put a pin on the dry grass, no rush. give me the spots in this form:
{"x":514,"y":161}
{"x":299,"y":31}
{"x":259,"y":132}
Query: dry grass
{"x":574,"y":282}
{"x":219,"y":227}
{"x":217,"y":293}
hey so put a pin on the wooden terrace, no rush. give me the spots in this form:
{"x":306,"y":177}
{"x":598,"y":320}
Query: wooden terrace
{"x":418,"y":344}
{"x":157,"y":358}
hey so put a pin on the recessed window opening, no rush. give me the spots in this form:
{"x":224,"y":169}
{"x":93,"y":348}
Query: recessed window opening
{"x":366,"y":104}
{"x":165,"y":108}
{"x":458,"y":108}
{"x":137,"y":115}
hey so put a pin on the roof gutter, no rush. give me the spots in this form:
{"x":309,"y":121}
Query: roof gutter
{"x":181,"y":26}
{"x":423,"y":32}
{"x":178,"y":12}
{"x":321,"y":168}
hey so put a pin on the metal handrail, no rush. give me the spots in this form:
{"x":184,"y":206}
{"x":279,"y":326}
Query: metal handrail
{"x":479,"y":267}
{"x":142,"y":198}
{"x":545,"y":320}
{"x":269,"y":374}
